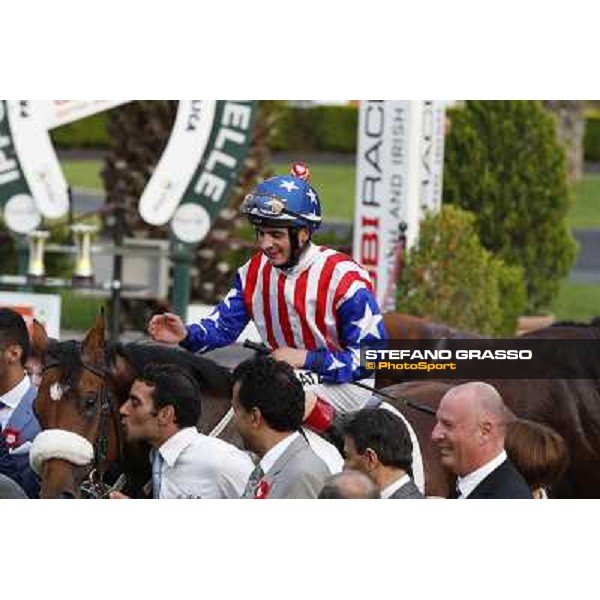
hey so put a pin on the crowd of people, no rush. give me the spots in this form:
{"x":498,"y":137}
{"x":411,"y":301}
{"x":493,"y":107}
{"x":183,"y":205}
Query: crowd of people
{"x":313,"y":307}
{"x":491,"y":454}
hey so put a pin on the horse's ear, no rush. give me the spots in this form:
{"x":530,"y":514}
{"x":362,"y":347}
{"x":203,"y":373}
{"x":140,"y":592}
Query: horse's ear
{"x":38,"y":338}
{"x":94,"y":343}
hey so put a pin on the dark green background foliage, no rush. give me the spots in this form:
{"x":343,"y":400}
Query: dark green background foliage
{"x":504,"y":163}
{"x":450,"y":278}
{"x":90,"y":132}
{"x":322,"y":128}
{"x":591,"y":141}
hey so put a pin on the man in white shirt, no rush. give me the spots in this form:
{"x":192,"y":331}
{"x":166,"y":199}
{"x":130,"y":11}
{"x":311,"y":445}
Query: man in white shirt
{"x":268,"y":404}
{"x":18,"y":424}
{"x":377,"y":443}
{"x":163,"y":408}
{"x":469,"y":434}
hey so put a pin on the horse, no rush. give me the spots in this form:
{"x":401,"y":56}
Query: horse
{"x":82,"y":388}
{"x":400,"y":326}
{"x":570,"y":406}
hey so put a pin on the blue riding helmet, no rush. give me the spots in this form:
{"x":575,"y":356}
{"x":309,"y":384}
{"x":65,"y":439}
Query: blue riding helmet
{"x":283,"y":201}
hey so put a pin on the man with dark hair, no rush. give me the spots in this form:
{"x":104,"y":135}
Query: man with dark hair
{"x":377,"y":443}
{"x":163,"y":408}
{"x":350,"y":485}
{"x":268,"y":404}
{"x":18,"y":424}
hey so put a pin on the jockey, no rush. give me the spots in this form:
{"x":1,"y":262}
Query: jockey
{"x":312,"y":306}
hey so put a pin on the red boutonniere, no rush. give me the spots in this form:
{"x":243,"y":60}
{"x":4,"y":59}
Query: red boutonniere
{"x":262,"y":490}
{"x":12,"y":437}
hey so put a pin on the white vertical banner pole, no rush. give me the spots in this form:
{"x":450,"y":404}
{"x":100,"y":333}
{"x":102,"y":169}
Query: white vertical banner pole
{"x":412,"y":207}
{"x":387,"y":189}
{"x":432,"y":155}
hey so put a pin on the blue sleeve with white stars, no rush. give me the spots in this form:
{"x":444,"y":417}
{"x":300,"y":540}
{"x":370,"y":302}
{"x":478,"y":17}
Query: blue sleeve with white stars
{"x":360,"y":321}
{"x":223,"y":326}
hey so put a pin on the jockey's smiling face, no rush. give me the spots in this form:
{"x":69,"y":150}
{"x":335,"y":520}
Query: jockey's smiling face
{"x":275,"y":244}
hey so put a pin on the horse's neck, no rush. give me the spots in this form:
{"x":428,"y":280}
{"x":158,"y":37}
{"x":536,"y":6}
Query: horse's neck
{"x":214,"y":409}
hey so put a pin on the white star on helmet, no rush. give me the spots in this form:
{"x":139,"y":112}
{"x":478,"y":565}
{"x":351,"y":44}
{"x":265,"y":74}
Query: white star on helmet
{"x":289,"y":185}
{"x":312,"y":196}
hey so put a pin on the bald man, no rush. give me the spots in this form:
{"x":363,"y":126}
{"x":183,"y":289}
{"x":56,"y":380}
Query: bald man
{"x":348,"y":485}
{"x":469,"y":435}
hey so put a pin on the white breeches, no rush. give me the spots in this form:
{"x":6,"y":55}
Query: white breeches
{"x":344,"y":397}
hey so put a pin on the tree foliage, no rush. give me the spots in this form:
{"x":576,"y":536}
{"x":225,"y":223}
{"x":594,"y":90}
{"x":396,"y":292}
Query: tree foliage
{"x":449,"y":277}
{"x":504,"y":163}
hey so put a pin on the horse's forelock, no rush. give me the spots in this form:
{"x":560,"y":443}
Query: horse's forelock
{"x":67,"y":356}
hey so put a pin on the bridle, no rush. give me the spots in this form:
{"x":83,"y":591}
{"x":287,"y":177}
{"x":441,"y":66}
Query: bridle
{"x":93,"y":486}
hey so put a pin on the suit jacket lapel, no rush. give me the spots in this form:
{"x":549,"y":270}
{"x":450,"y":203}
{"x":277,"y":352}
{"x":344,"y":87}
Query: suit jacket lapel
{"x":23,"y":414}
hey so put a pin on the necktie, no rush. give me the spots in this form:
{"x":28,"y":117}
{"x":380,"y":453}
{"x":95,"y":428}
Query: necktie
{"x":157,"y":461}
{"x":255,"y":477}
{"x":456,"y":493}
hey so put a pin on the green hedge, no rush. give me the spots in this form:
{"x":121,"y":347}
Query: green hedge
{"x":87,"y":133}
{"x":591,"y":141}
{"x":321,"y":128}
{"x":318,"y":129}
{"x":503,"y":162}
{"x":451,"y":278}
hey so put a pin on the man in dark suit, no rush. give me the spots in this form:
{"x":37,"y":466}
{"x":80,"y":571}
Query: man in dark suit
{"x":469,"y":434}
{"x":17,"y":421}
{"x":377,"y":443}
{"x":268,"y":404}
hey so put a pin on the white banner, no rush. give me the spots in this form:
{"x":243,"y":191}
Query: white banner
{"x":399,"y":171}
{"x":43,"y":307}
{"x":37,"y":157}
{"x":381,"y":191}
{"x":432,"y":154}
{"x":179,"y":161}
{"x":61,"y":112}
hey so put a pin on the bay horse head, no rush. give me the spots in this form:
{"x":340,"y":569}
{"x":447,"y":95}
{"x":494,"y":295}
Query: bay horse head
{"x":76,"y":411}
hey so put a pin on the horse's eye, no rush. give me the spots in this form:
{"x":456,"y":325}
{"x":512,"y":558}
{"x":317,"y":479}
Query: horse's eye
{"x":89,"y":401}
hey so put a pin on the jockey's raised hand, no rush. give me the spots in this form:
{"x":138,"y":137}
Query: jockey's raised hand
{"x":167,"y":328}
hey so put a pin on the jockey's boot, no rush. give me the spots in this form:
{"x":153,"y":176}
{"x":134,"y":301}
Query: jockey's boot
{"x":324,"y":420}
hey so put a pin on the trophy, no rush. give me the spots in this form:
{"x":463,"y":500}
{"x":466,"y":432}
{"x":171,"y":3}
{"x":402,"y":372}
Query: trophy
{"x":83,"y":275}
{"x":35,"y":270}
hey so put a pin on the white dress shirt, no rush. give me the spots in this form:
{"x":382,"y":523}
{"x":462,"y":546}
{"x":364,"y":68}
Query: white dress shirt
{"x":271,"y":457}
{"x":469,"y":482}
{"x":394,"y":486}
{"x":11,"y":400}
{"x":198,"y":466}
